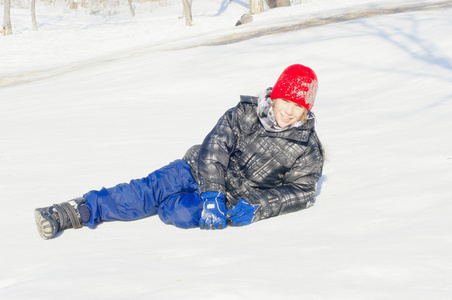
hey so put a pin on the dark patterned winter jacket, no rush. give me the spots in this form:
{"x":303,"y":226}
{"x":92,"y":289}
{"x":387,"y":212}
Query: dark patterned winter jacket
{"x":278,"y":170}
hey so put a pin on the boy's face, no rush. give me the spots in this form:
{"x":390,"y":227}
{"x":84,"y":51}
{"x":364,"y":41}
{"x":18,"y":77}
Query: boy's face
{"x":287,"y":112}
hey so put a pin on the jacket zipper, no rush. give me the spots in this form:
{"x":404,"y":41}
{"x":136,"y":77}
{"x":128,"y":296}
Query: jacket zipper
{"x":258,"y":170}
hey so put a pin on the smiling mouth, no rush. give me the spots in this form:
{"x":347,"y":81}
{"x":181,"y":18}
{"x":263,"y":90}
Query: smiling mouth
{"x":285,"y":119}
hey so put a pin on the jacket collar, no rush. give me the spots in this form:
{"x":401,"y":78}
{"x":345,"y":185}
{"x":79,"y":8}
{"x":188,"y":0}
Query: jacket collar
{"x":299,"y":134}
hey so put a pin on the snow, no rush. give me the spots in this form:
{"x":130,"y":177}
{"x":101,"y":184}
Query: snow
{"x":95,"y":100}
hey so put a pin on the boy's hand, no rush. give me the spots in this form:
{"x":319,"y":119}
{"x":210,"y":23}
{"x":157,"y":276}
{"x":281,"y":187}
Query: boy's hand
{"x":242,"y":214}
{"x":213,"y":215}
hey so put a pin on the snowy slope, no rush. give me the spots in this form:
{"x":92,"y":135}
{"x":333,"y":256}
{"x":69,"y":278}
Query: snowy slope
{"x":91,"y":101}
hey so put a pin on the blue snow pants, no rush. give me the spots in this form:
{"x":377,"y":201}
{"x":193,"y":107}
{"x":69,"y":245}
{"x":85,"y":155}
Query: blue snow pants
{"x":171,"y":192}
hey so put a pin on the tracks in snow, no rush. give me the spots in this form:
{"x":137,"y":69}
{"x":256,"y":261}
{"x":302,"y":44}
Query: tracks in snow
{"x":230,"y":39}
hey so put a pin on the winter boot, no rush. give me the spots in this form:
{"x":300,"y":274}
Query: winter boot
{"x":70,"y":214}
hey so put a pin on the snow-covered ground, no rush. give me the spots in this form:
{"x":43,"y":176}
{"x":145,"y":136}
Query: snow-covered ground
{"x":94,"y":100}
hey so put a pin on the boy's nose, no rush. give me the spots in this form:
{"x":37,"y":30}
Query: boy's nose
{"x":290,"y":108}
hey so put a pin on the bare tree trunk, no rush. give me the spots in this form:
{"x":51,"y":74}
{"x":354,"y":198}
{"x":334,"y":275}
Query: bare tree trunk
{"x":7,"y":28}
{"x":277,"y":3}
{"x":131,"y":8}
{"x":33,"y":15}
{"x":74,"y":5}
{"x":187,"y":11}
{"x":256,"y":7}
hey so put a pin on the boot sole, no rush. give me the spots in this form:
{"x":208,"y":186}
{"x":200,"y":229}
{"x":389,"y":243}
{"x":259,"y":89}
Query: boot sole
{"x":46,"y":228}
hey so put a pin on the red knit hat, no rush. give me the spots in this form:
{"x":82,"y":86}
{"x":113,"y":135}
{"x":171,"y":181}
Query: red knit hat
{"x":297,"y":84}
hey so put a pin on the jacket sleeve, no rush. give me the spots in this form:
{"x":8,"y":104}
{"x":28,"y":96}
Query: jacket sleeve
{"x":215,"y":151}
{"x":299,"y":187}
